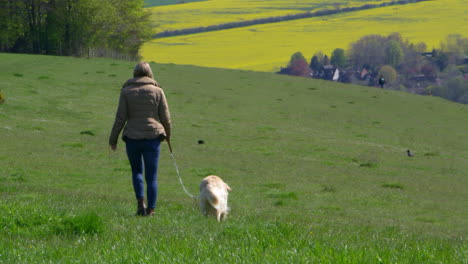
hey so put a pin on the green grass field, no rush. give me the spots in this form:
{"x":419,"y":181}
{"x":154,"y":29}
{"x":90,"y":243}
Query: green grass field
{"x":268,"y":47}
{"x":318,"y":169}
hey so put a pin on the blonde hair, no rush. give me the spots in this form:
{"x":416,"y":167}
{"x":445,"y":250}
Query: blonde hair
{"x":143,"y":69}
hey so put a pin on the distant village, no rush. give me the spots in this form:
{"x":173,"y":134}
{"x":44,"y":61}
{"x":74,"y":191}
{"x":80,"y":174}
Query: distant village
{"x":390,"y":62}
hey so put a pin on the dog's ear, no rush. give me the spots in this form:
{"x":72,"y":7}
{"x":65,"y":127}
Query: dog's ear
{"x":227,"y":187}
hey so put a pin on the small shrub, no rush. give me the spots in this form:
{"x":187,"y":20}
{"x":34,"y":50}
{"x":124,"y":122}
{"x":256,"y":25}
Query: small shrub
{"x":30,"y":127}
{"x":87,"y":132}
{"x":328,"y":188}
{"x":389,"y":73}
{"x":284,"y":195}
{"x":393,"y":185}
{"x":89,"y":223}
{"x":18,"y":177}
{"x":73,"y":145}
{"x":329,"y":163}
{"x":426,"y":220}
{"x":18,"y":74}
{"x":266,"y":129}
{"x":368,"y":165}
{"x":17,"y":222}
{"x":279,"y":203}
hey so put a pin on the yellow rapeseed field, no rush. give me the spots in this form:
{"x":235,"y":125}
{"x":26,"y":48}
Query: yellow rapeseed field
{"x":213,"y":12}
{"x":267,"y":47}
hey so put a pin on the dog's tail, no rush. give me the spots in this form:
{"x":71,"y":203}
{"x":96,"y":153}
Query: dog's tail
{"x":210,"y":198}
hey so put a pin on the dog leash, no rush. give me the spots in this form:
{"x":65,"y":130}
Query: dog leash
{"x":178,"y":173}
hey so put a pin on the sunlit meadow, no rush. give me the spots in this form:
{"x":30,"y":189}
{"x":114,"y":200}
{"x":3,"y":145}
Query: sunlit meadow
{"x":318,"y":169}
{"x":268,"y":47}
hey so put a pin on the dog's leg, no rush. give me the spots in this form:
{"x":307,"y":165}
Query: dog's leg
{"x":219,"y":216}
{"x":207,"y":208}
{"x":203,"y":208}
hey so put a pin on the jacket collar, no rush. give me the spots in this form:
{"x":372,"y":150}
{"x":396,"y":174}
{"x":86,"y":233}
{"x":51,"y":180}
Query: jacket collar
{"x":141,"y":81}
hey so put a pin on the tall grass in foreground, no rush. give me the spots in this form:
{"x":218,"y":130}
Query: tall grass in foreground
{"x":315,"y":178}
{"x":185,"y":237}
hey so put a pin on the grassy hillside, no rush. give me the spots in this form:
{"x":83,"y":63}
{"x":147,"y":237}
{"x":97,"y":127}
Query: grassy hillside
{"x":268,"y":47}
{"x":318,"y":169}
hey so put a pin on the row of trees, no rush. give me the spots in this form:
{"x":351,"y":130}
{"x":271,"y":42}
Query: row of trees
{"x":405,"y":66}
{"x":73,"y":27}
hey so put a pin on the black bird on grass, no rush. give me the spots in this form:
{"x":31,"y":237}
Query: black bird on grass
{"x":201,"y":141}
{"x":409,"y":153}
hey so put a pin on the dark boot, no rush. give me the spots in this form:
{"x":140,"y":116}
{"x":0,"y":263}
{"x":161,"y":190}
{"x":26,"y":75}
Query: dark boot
{"x":141,"y":209}
{"x":149,"y":211}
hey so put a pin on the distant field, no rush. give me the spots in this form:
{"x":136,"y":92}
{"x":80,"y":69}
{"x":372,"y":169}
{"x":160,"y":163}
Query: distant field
{"x":150,"y":3}
{"x":318,"y":169}
{"x":214,"y":12}
{"x":267,"y":47}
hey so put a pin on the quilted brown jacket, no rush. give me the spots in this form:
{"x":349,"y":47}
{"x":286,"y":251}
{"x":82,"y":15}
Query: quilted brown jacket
{"x":143,"y":110}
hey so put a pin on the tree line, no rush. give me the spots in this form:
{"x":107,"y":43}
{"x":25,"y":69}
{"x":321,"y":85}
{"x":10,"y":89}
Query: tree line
{"x":326,"y":12}
{"x":405,"y":66}
{"x":74,"y":27}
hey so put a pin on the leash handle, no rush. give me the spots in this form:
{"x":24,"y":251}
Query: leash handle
{"x":169,"y":144}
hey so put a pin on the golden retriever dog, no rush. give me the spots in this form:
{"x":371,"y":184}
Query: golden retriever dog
{"x":214,"y":197}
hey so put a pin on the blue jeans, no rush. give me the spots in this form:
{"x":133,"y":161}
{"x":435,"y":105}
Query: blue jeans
{"x":139,"y":152}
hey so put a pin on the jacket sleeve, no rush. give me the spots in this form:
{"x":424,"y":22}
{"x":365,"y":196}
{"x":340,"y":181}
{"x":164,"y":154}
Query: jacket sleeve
{"x":164,"y":115}
{"x":120,"y":120}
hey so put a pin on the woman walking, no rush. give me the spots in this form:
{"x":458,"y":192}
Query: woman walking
{"x":143,"y":114}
